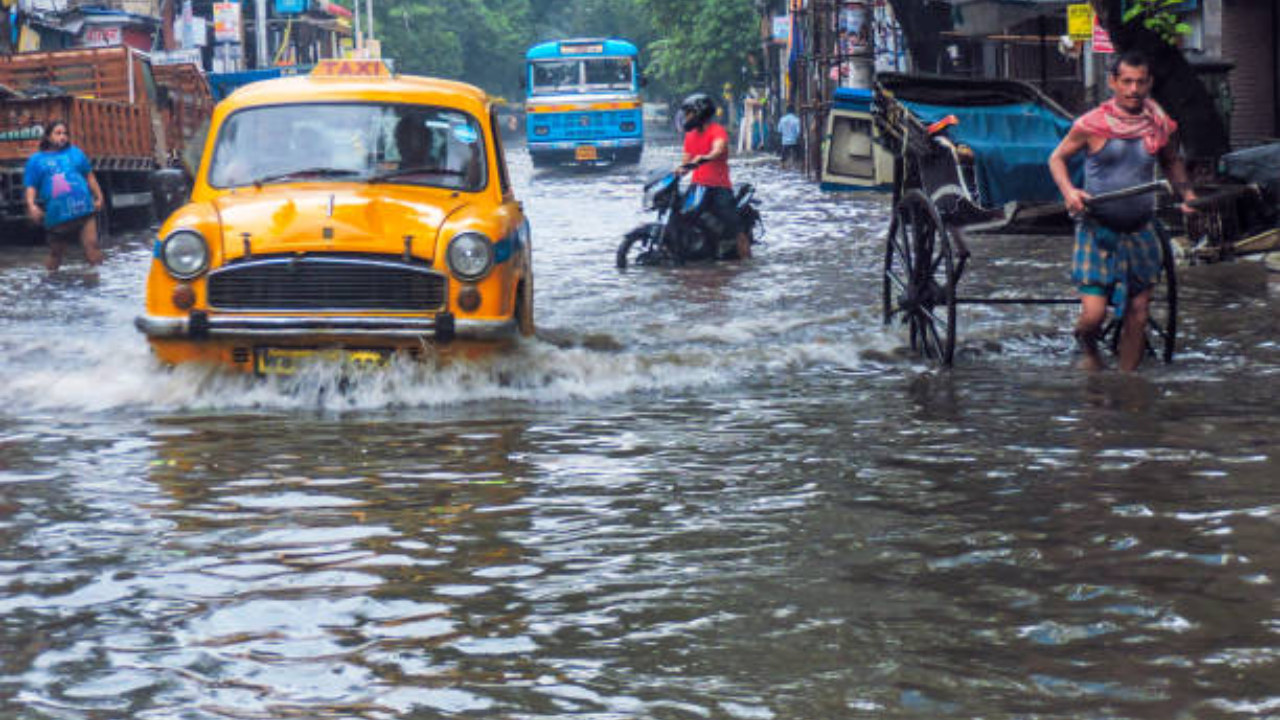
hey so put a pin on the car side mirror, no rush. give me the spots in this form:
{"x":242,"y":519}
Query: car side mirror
{"x":644,"y":80}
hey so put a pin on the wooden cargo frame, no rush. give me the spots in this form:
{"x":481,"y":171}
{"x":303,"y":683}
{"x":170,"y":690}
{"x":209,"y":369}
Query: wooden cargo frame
{"x":128,"y":117}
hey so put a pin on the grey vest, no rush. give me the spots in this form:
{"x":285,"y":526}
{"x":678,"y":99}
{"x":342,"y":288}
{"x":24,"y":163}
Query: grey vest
{"x":1118,"y":165}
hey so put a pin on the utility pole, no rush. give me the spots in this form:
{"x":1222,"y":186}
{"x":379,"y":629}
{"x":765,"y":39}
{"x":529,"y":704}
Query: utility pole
{"x":260,"y":31}
{"x":355,"y":16}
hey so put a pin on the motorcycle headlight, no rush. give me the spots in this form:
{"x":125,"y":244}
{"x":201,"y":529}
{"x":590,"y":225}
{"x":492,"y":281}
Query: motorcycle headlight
{"x":470,"y":256}
{"x":184,"y":254}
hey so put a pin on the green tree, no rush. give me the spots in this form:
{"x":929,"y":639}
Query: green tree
{"x":627,"y":19}
{"x":1177,"y":87}
{"x":703,"y":43}
{"x":477,"y":41}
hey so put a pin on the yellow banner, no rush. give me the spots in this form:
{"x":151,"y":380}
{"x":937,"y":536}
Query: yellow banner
{"x":1080,"y":21}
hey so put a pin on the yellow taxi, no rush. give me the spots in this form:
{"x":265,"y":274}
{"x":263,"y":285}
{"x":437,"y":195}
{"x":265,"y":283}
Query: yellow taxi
{"x":350,"y":213}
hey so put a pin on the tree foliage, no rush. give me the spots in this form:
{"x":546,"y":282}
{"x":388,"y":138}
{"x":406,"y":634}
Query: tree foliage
{"x":704,"y":43}
{"x":1177,"y":86}
{"x":686,"y":44}
{"x":479,"y":41}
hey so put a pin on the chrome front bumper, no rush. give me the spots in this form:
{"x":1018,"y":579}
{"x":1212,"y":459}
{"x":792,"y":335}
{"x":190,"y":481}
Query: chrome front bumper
{"x":443,"y":328}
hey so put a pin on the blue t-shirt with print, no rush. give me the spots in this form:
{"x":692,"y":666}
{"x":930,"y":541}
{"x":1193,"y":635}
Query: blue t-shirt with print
{"x":62,"y":187}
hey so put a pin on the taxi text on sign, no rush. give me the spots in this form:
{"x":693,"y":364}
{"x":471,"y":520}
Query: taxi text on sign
{"x":351,"y":68}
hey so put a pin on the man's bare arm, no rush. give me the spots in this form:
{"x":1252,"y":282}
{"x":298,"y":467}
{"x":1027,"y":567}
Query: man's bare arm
{"x":1075,"y":141}
{"x":1176,"y":170}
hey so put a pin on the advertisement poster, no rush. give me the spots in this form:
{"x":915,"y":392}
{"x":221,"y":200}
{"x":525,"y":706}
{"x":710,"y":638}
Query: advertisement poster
{"x":889,"y":46}
{"x":226,"y":21}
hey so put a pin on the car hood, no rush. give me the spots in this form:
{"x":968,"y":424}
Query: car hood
{"x":369,"y":219}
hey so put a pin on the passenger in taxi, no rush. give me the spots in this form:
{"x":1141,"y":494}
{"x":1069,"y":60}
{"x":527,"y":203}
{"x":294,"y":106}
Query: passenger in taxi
{"x":413,"y":141}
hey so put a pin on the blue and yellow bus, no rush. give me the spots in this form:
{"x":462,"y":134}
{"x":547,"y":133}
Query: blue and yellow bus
{"x":583,"y":104}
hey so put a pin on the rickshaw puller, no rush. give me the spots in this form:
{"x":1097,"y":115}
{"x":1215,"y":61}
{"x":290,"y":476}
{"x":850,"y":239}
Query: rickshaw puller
{"x":1117,"y":256}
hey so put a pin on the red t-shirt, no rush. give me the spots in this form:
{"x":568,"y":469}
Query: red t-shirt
{"x":699,"y":142}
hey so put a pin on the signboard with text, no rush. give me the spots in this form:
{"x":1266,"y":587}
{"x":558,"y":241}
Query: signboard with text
{"x":781,"y":28}
{"x":177,"y":57}
{"x":1080,"y":21}
{"x":226,"y":21}
{"x":102,"y":36}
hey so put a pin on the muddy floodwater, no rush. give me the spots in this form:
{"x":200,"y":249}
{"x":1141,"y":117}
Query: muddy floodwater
{"x":701,"y":493}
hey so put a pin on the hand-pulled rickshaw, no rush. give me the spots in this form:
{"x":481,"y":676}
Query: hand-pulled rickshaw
{"x":971,"y":157}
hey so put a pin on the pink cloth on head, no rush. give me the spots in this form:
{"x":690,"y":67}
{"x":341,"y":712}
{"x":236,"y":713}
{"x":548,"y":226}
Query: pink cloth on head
{"x":1153,"y":124}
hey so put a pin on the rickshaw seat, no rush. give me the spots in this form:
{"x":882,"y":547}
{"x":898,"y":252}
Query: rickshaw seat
{"x":1011,"y":145}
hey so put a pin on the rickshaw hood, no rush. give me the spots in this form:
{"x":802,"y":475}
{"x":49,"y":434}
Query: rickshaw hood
{"x":373,"y":219}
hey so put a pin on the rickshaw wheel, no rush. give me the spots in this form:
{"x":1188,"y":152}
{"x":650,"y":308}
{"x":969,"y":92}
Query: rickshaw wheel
{"x":920,"y":279}
{"x":1162,"y":320}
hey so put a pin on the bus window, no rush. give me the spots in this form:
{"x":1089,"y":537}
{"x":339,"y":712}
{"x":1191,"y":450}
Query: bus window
{"x":613,"y":73}
{"x":553,"y":76}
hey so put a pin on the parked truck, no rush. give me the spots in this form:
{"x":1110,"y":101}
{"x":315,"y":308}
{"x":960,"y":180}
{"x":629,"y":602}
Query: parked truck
{"x":133,"y":121}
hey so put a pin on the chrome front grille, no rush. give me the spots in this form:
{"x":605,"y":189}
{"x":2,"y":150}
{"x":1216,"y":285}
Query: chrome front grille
{"x":325,"y":283}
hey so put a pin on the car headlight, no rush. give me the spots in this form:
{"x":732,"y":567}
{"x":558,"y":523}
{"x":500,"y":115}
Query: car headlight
{"x":184,"y":254}
{"x":470,"y":256}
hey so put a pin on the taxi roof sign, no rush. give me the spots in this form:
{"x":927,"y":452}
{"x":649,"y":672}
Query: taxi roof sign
{"x":349,"y":68}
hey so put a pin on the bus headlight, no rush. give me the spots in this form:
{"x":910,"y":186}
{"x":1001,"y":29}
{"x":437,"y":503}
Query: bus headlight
{"x":541,"y":130}
{"x":184,"y":254}
{"x":470,"y":256}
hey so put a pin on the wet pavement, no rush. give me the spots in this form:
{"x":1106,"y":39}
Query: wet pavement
{"x":705,"y":492}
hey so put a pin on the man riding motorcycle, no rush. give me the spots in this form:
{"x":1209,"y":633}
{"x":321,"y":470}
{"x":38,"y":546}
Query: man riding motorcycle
{"x":706,"y":152}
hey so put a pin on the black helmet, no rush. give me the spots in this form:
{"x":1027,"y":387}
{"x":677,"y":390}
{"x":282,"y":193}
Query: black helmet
{"x":702,"y":108}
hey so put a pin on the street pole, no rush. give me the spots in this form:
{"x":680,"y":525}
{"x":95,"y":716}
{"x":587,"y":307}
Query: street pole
{"x":369,"y":25}
{"x":355,"y":17}
{"x":260,"y":28}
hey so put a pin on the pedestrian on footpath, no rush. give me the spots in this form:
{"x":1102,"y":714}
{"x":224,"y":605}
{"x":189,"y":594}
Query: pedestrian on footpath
{"x":62,"y":195}
{"x":789,"y":132}
{"x":1117,"y":258}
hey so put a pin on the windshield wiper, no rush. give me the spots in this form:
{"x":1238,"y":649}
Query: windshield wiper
{"x":418,"y":170}
{"x":316,"y":171}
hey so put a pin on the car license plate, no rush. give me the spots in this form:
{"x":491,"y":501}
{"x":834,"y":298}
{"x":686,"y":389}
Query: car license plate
{"x":287,"y":361}
{"x":585,"y":152}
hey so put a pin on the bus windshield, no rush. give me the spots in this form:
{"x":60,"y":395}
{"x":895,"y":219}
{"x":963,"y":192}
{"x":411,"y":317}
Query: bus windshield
{"x":611,"y":73}
{"x":556,"y":76}
{"x":560,"y":76}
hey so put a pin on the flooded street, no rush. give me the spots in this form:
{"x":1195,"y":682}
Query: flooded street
{"x":705,"y":492}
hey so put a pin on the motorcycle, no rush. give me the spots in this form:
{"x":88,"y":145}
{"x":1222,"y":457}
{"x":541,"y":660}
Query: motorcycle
{"x":686,"y":230}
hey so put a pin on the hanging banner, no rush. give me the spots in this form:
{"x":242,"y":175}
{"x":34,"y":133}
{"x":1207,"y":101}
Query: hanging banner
{"x":1101,"y":40}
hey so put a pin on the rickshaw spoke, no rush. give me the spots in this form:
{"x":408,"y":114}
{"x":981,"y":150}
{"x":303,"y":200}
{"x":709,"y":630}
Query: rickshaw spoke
{"x":937,"y":341}
{"x":936,"y":320}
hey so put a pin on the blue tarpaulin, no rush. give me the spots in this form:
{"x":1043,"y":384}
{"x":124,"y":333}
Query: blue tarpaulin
{"x":1012,"y":144}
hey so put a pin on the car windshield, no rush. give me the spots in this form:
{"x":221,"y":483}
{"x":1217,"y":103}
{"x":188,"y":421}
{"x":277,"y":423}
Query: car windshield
{"x":370,"y":142}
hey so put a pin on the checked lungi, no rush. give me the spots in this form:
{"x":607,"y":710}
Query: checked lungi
{"x":1122,"y":264}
